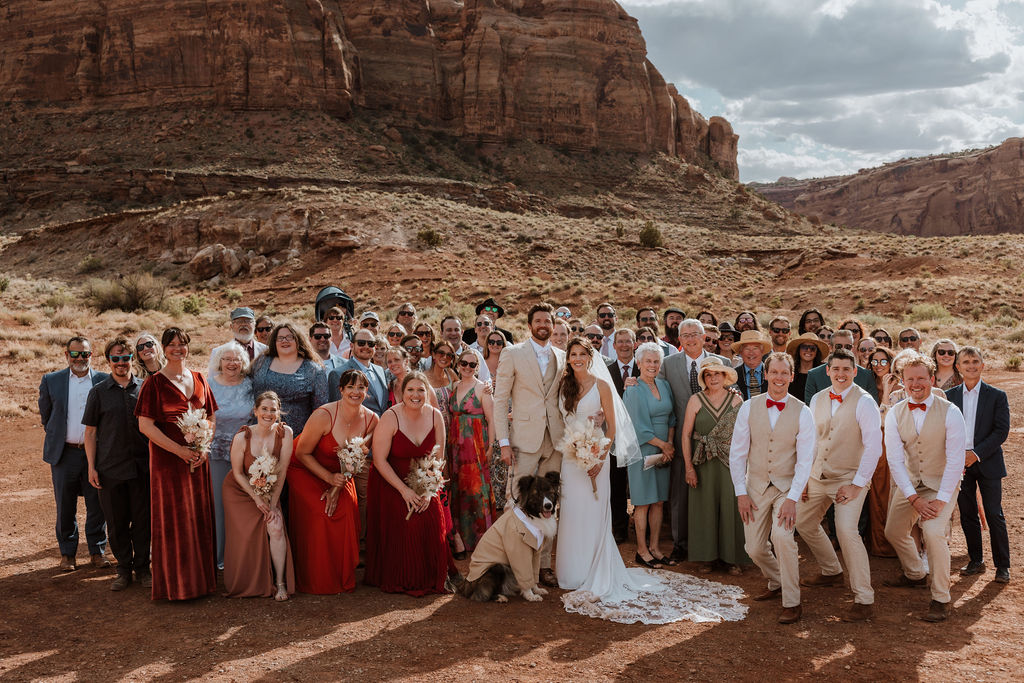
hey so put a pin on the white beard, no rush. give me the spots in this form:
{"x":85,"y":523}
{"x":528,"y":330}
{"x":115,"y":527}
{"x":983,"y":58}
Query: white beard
{"x":244,"y":339}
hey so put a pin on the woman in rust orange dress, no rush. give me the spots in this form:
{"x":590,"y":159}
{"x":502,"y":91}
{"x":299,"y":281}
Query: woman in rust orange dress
{"x":323,"y":510}
{"x":181,"y":500}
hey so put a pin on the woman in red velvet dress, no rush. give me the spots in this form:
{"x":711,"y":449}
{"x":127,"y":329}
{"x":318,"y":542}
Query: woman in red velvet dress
{"x":181,"y":501}
{"x":323,"y":510}
{"x":405,"y":555}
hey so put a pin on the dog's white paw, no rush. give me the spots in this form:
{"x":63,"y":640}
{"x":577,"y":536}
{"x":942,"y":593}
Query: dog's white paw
{"x":501,"y":598}
{"x":531,"y":596}
{"x":539,"y":590}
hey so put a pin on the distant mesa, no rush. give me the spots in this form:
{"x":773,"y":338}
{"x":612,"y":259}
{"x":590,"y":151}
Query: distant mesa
{"x":570,"y":73}
{"x":977,"y":192}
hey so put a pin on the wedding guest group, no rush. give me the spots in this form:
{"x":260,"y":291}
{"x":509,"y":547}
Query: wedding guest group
{"x":300,"y":455}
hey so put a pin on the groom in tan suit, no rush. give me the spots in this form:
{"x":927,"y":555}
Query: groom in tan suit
{"x":527,"y":384}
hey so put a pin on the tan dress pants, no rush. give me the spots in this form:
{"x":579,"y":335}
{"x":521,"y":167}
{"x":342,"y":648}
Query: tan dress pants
{"x":539,"y":462}
{"x":936,"y":541}
{"x":782,"y":567}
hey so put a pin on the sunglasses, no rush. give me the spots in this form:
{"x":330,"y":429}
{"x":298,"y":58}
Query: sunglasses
{"x":648,"y":321}
{"x":866,"y":349}
{"x":848,"y":347}
{"x":780,"y":330}
{"x":490,"y":309}
{"x":807,"y":347}
{"x":645,"y":339}
{"x":268,"y":328}
{"x":467,"y":364}
{"x":577,"y":330}
{"x":395,"y":334}
{"x":445,"y":354}
{"x":606,"y":315}
{"x":563,"y":314}
{"x":423,"y":333}
{"x":595,"y":337}
{"x":880,"y":361}
{"x":145,"y":345}
{"x":406,"y":313}
{"x":882,"y":339}
{"x":121,"y":359}
{"x":482,"y":324}
{"x":708,"y":340}
{"x":364,"y":342}
{"x":945,"y":352}
{"x":80,"y":354}
{"x":330,"y":317}
{"x":495,"y":342}
{"x":907,"y":340}
{"x":320,"y":335}
{"x":413,"y":349}
{"x":369,"y":323}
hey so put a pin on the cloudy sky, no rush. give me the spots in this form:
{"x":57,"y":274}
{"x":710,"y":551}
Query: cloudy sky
{"x":816,"y":88}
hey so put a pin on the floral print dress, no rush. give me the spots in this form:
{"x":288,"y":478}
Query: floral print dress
{"x":473,"y":507}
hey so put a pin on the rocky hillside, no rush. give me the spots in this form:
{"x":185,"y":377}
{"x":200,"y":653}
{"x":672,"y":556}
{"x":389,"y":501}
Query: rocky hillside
{"x":567,"y":73}
{"x":972,"y":193}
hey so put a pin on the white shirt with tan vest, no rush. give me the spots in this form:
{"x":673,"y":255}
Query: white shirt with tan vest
{"x":926,"y":447}
{"x":838,"y":454}
{"x":772,"y":447}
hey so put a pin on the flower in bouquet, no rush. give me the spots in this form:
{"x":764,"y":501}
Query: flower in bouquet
{"x":426,"y":475}
{"x":585,"y":444}
{"x":352,"y":457}
{"x":262,"y":474}
{"x":197,"y":431}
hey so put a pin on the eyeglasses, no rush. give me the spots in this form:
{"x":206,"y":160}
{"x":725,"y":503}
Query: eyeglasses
{"x":268,"y":328}
{"x":413,"y":349}
{"x":369,"y":323}
{"x":144,"y":345}
{"x":467,"y":364}
{"x":594,"y":337}
{"x":483,"y":324}
{"x":490,"y":309}
{"x":287,"y":339}
{"x":121,"y":359}
{"x":364,"y":342}
{"x":563,"y":314}
{"x":945,"y":352}
{"x":648,"y":321}
{"x":848,"y":347}
{"x":689,"y":335}
{"x":780,"y":330}
{"x":880,"y":361}
{"x":444,"y":354}
{"x":645,"y":339}
{"x":745,"y":319}
{"x":330,"y":317}
{"x":907,"y":340}
{"x":320,"y":335}
{"x":394,"y":334}
{"x":606,"y":314}
{"x":80,"y":354}
{"x":495,"y":342}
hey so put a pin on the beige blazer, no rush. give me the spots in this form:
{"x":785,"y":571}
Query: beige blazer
{"x":508,"y":541}
{"x":520,"y":386}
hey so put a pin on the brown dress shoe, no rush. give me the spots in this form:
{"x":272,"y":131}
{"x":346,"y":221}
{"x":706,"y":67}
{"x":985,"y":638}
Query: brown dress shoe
{"x":905,"y":581}
{"x":121,"y":582}
{"x":937,"y":611}
{"x":769,"y":594}
{"x":100,"y":561}
{"x":547,"y":577}
{"x":67,"y":563}
{"x":790,"y":615}
{"x":859,"y":612}
{"x":822,"y":581}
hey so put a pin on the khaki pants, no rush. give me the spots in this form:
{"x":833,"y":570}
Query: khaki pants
{"x":540,"y":462}
{"x":782,"y":568}
{"x":897,"y":531}
{"x":820,"y":495}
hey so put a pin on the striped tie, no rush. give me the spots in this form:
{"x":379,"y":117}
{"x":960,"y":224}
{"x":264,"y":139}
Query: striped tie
{"x":753,"y":386}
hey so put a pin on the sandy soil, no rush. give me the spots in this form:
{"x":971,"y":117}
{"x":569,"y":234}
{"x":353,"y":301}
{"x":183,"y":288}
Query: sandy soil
{"x":71,"y":627}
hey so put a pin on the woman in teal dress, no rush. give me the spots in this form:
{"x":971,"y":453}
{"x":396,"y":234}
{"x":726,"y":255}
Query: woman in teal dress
{"x":715,"y":530}
{"x":649,"y":403}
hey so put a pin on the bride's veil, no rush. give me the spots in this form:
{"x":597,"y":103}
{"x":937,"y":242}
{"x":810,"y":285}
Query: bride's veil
{"x":626,"y":446}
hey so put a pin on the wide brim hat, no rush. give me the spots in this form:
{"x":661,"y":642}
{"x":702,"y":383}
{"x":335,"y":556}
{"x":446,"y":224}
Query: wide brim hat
{"x":752,"y":337}
{"x":715,"y":364}
{"x":490,"y":303}
{"x":726,"y":326}
{"x":807,"y":338}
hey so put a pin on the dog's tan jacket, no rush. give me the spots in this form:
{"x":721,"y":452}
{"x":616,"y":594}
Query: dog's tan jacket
{"x":532,"y":397}
{"x":508,"y":541}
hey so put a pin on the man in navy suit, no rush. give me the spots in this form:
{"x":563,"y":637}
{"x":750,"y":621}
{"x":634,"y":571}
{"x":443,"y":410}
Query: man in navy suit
{"x":817,"y":380}
{"x":62,"y":397}
{"x":987,"y":415}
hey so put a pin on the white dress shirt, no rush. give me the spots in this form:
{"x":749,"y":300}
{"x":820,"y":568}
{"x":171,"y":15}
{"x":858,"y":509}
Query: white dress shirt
{"x":970,"y":414}
{"x":955,"y":452}
{"x":78,"y":392}
{"x":543,"y":354}
{"x":625,"y":368}
{"x":695,"y":362}
{"x":339,"y":349}
{"x":740,"y":448}
{"x":870,"y":421}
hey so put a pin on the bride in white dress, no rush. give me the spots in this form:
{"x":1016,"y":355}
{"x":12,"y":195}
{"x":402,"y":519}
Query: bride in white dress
{"x":587,"y":560}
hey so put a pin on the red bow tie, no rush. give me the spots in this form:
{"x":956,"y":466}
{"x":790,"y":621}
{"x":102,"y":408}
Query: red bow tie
{"x":835,"y":397}
{"x":776,"y":404}
{"x":918,"y":406}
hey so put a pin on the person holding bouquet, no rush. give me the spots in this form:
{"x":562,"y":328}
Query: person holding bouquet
{"x":181,"y":501}
{"x":323,"y":510}
{"x":256,"y":553}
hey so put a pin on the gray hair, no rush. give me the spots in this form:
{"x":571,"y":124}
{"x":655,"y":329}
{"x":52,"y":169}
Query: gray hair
{"x":218,"y":354}
{"x":692,"y":322}
{"x":649,"y":348}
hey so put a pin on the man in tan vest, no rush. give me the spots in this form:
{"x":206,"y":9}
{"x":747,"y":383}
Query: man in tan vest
{"x":925,"y":439}
{"x":770,"y":461}
{"x":527,"y":383}
{"x":846,"y":451}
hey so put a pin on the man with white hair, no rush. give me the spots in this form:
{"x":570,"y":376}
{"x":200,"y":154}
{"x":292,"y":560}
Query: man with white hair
{"x":243,"y":329}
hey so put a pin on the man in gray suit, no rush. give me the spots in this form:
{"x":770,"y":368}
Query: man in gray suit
{"x":62,"y":397}
{"x":817,"y":380}
{"x":680,"y":369}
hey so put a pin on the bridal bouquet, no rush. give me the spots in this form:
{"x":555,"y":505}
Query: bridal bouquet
{"x":426,"y":475}
{"x":197,"y":431}
{"x":585,"y":443}
{"x":351,"y":456}
{"x":262,"y":475}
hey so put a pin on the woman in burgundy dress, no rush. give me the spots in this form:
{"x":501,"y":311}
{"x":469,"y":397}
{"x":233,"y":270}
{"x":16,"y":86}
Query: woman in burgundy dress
{"x":405,"y":555}
{"x":323,"y":510}
{"x":181,"y":501}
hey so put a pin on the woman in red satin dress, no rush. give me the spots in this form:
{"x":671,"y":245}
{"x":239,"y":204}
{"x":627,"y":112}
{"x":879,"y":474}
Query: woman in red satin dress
{"x":323,"y":510}
{"x":405,"y":555}
{"x":181,"y":500}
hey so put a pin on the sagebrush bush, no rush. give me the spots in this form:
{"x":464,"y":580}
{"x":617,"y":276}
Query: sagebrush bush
{"x":650,"y":236}
{"x":135,"y":292}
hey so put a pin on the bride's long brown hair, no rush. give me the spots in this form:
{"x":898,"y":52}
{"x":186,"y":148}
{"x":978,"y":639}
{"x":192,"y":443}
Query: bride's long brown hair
{"x":570,"y":387}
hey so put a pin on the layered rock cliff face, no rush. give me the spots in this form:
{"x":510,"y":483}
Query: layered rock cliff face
{"x":570,"y":73}
{"x":964,"y":194}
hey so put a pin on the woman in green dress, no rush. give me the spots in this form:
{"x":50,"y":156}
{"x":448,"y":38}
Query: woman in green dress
{"x":649,"y":403}
{"x":715,"y":528}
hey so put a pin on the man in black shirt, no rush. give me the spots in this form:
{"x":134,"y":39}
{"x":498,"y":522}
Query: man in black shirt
{"x":118,"y":457}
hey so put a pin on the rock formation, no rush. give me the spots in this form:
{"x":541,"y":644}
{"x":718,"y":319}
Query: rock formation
{"x":961,"y":194}
{"x":570,"y":73}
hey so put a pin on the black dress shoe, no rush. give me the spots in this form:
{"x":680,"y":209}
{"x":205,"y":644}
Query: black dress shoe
{"x":652,"y":564}
{"x":972,"y":567}
{"x":1002,"y":575}
{"x":620,"y":537}
{"x":678,"y":554}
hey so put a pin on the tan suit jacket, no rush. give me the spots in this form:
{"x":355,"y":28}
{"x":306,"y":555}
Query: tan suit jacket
{"x":519,"y":385}
{"x":508,"y":541}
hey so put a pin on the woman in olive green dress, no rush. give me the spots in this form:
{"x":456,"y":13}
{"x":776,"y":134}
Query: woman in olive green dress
{"x":715,"y":528}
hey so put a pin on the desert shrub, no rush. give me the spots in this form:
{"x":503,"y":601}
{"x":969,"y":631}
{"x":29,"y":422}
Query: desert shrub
{"x":929,"y":311}
{"x":67,"y":316}
{"x":620,"y":231}
{"x":1015,"y":336}
{"x":430,"y":237}
{"x":27,"y":318}
{"x":193,"y":304}
{"x":135,"y":292}
{"x":5,"y":282}
{"x":650,"y":236}
{"x":57,"y":300}
{"x":1013,"y":363}
{"x":90,"y":264}
{"x":233,"y":295}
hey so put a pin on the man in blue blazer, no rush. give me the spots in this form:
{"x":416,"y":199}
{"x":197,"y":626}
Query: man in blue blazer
{"x":987,"y":415}
{"x":817,"y":380}
{"x":62,"y":396}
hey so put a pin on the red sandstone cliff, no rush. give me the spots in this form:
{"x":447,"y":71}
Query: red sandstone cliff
{"x":571,"y":73}
{"x":963,"y":194}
